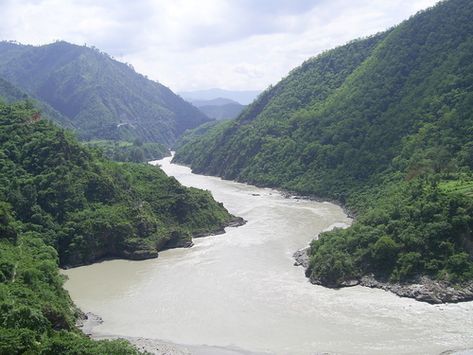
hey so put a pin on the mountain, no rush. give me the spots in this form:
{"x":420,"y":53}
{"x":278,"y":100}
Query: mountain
{"x":219,"y":108}
{"x":383,"y":125}
{"x":62,"y":204}
{"x":105,"y":99}
{"x":243,"y":97}
{"x":9,"y":93}
{"x":219,"y":101}
{"x":221,"y":112}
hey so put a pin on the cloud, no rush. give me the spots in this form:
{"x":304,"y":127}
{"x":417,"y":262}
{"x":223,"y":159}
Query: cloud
{"x":185,"y":44}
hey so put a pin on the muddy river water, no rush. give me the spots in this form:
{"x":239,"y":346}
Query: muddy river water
{"x":240,"y":290}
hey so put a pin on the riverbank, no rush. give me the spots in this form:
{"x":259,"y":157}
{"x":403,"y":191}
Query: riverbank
{"x":138,"y":255}
{"x":422,"y":289}
{"x":234,"y":222}
{"x":350,"y":213}
{"x":89,"y":321}
{"x":241,"y":289}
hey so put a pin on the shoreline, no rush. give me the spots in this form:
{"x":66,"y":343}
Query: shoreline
{"x":88,"y":321}
{"x":422,"y":289}
{"x":234,"y":223}
{"x":284,"y":192}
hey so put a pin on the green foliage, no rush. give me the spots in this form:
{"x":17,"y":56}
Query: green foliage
{"x":63,"y":204}
{"x":86,"y":206}
{"x":36,"y":313}
{"x":9,"y":93}
{"x":383,"y":125}
{"x":136,"y":152}
{"x":103,"y":98}
{"x":414,"y":229}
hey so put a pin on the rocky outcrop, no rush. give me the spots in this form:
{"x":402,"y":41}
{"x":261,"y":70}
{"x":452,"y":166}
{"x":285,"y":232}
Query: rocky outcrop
{"x":234,"y":222}
{"x":139,"y":250}
{"x":424,"y":289}
{"x":302,"y":258}
{"x":86,"y":322}
{"x":421,"y":289}
{"x":140,"y":254}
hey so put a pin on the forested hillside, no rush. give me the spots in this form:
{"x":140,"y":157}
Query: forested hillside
{"x":9,"y":93}
{"x":383,"y":125}
{"x":136,"y":151}
{"x":105,"y":99}
{"x":62,"y":204}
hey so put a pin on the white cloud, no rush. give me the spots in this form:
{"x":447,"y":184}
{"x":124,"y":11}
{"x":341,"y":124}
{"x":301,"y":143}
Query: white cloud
{"x":186,"y":44}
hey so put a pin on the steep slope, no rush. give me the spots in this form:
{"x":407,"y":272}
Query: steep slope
{"x":61,"y":204}
{"x":90,"y":207}
{"x":262,"y":135}
{"x":105,"y":99}
{"x":9,"y":93}
{"x":382,"y":124}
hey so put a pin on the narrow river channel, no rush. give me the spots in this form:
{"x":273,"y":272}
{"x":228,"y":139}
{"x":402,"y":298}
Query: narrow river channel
{"x":240,"y":290}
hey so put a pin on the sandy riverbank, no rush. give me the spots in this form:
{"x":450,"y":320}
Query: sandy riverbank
{"x":90,"y":321}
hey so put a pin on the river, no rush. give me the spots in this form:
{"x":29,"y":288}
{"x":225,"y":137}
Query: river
{"x":240,"y":290}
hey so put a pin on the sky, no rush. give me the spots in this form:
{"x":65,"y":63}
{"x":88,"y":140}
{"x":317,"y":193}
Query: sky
{"x":200,"y":44}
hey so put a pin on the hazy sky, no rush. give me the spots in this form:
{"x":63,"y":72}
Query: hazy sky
{"x":199,"y":44}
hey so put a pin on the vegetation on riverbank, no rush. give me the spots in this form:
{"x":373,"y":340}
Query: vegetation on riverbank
{"x":62,"y":204}
{"x":136,"y":151}
{"x":382,"y":125}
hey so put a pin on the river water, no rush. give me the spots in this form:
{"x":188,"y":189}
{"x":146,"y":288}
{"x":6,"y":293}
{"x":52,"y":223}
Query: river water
{"x":240,"y":290}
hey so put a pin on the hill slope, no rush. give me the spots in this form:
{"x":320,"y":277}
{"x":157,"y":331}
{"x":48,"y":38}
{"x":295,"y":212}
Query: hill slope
{"x":9,"y":93}
{"x":222,"y":112}
{"x":90,"y":207}
{"x":219,"y":108}
{"x":105,"y":99}
{"x":62,"y":204}
{"x":382,"y":124}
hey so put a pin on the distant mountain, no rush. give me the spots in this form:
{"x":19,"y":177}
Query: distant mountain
{"x":222,"y":112}
{"x":219,"y":108}
{"x":219,"y":101}
{"x":242,"y":97}
{"x":10,"y":93}
{"x":105,"y":99}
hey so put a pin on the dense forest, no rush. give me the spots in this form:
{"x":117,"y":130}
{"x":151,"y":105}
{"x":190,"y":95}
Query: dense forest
{"x":63,"y":204}
{"x":10,"y":93}
{"x":103,"y":98}
{"x":383,"y":125}
{"x":136,"y":151}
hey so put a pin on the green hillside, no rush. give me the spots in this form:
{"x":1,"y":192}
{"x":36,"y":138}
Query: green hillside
{"x":105,"y":99}
{"x":9,"y":93}
{"x":136,"y":152}
{"x":384,"y":125}
{"x":62,"y":204}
